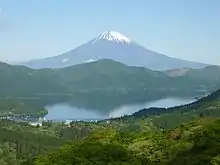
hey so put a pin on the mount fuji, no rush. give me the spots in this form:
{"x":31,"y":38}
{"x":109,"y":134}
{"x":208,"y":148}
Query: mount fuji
{"x":115,"y":46}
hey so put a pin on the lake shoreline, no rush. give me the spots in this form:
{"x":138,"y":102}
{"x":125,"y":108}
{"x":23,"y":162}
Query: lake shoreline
{"x":65,"y":111}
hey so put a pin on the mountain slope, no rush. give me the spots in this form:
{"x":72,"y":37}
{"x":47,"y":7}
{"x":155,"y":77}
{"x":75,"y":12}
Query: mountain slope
{"x":103,"y":85}
{"x":194,"y":143}
{"x":19,"y":141}
{"x":114,"y":84}
{"x":115,"y":46}
{"x":25,"y":90}
{"x":166,"y":118}
{"x":203,"y":77}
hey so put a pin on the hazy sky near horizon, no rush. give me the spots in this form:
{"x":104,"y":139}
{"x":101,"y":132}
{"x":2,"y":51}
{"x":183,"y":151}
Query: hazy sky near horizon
{"x":186,"y":29}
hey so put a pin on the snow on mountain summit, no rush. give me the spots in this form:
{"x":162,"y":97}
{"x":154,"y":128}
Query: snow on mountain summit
{"x":114,"y":37}
{"x":115,"y":46}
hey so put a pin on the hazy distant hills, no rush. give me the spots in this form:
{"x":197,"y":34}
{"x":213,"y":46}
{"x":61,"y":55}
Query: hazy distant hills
{"x":102,"y":84}
{"x":115,"y":46}
{"x":208,"y":75}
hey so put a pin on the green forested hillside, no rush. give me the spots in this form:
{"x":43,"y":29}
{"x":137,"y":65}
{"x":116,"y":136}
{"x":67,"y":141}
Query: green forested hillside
{"x":24,"y":90}
{"x":20,"y":142}
{"x":189,"y":137}
{"x":166,"y":118}
{"x":203,"y":77}
{"x":195,"y":143}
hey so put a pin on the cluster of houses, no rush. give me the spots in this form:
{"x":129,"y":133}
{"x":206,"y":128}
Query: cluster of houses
{"x":22,"y":118}
{"x":25,"y":118}
{"x":38,"y":122}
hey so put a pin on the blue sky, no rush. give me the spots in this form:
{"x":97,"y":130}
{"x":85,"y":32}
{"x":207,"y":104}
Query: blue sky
{"x":186,"y":29}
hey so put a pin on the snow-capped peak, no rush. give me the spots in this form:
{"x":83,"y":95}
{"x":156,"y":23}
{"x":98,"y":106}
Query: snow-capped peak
{"x":114,"y":37}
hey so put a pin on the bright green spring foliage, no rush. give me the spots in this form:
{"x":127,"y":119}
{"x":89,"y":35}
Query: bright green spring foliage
{"x":89,"y":153}
{"x":195,"y":143}
{"x":20,"y":142}
{"x":149,"y":137}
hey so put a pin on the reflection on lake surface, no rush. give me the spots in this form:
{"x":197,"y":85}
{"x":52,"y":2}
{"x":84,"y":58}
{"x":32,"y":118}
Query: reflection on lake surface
{"x":64,"y":111}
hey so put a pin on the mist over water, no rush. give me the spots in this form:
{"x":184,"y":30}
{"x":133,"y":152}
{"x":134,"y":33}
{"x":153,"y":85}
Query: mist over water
{"x":65,"y":111}
{"x":162,"y":103}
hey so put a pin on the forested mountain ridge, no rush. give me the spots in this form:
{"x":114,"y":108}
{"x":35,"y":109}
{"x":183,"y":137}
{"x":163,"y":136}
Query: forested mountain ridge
{"x":24,"y":90}
{"x":179,"y":136}
{"x":20,"y":142}
{"x":168,"y":118}
{"x":195,"y":143}
{"x":137,"y":141}
{"x":21,"y":89}
{"x":206,"y":75}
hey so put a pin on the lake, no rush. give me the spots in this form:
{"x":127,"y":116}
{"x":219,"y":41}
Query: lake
{"x":65,"y":111}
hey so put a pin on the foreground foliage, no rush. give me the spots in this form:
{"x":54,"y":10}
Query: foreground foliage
{"x":20,"y":142}
{"x":195,"y":143}
{"x":185,"y":135}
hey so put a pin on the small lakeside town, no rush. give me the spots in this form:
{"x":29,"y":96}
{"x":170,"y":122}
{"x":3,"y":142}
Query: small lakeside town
{"x":39,"y":121}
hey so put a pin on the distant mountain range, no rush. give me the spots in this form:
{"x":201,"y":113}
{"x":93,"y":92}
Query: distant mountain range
{"x":115,"y":46}
{"x":103,"y":84}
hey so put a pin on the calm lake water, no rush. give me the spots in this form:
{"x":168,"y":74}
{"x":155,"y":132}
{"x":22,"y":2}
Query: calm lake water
{"x":64,"y":111}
